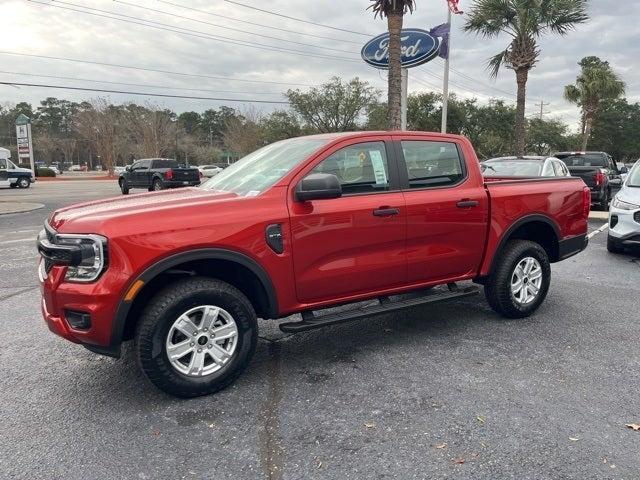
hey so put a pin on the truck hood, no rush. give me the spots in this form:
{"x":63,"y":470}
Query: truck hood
{"x":100,"y":211}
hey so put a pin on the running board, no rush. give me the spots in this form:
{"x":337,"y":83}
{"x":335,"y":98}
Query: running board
{"x":311,"y":322}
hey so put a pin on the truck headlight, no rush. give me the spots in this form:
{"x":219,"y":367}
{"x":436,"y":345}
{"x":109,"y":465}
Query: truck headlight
{"x":622,"y":205}
{"x":90,"y":259}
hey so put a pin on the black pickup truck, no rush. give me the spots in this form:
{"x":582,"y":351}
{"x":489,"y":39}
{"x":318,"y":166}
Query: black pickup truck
{"x":598,"y":171}
{"x":157,"y":174}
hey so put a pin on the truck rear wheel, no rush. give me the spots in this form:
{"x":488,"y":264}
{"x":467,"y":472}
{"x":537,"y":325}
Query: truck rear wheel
{"x":196,"y":337}
{"x":520,"y":280}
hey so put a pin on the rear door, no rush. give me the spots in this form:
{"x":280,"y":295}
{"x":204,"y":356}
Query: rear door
{"x":354,"y":244}
{"x":140,"y":173}
{"x":4,"y":173}
{"x":447,"y":209}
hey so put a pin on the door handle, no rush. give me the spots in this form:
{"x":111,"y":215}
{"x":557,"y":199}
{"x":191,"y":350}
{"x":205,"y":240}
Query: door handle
{"x":467,"y":203}
{"x":385,"y":212}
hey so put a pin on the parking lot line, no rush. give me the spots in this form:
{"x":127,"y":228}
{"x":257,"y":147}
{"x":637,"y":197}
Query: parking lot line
{"x":596,"y":232}
{"x":19,"y":240}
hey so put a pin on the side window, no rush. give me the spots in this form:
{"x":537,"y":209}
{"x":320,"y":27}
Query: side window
{"x":3,"y":164}
{"x":141,"y":165}
{"x":361,"y":168}
{"x":557,"y":167}
{"x":432,"y":164}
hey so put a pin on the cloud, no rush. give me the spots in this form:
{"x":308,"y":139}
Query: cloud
{"x":30,"y":27}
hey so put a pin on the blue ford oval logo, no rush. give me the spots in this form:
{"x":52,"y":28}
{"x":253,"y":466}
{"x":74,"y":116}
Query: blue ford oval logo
{"x":418,"y":47}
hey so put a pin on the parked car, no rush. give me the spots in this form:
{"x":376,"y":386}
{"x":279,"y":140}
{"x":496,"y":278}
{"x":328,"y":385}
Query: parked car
{"x":529,"y":166}
{"x":209,"y":170}
{"x":295,"y":227}
{"x":75,"y":168}
{"x":118,"y":169}
{"x":599,"y":172}
{"x":12,"y":176}
{"x":624,"y":215}
{"x":54,"y":169}
{"x":157,"y":174}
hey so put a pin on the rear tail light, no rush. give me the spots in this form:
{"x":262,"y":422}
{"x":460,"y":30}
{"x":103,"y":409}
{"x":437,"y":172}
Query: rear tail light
{"x":200,"y":173}
{"x":599,"y":178}
{"x":586,"y":202}
{"x":169,"y":174}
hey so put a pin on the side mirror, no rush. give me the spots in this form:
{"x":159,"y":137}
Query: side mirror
{"x":624,"y":170}
{"x":128,"y":168}
{"x":318,"y":186}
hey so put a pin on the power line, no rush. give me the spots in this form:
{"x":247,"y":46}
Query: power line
{"x":147,"y":94}
{"x":213,"y":25}
{"x":217,"y":15}
{"x":297,"y":19}
{"x":192,"y":33}
{"x":144,"y":69}
{"x":135,"y":84}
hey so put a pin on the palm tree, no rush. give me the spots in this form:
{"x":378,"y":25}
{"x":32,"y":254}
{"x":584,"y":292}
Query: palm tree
{"x":596,"y":83}
{"x":394,"y":10}
{"x":525,"y":21}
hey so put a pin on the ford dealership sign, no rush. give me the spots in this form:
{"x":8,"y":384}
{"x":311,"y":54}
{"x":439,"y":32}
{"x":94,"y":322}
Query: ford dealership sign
{"x":418,"y":47}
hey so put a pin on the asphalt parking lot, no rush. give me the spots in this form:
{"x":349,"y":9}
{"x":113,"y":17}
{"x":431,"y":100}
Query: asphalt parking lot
{"x":445,"y":391}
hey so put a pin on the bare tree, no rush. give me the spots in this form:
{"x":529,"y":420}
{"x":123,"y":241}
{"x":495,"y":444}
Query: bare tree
{"x":152,"y":129}
{"x":100,"y":124}
{"x":243,"y":133}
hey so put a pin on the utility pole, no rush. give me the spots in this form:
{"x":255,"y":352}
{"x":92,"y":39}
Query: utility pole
{"x":542,"y":105}
{"x":445,"y":85}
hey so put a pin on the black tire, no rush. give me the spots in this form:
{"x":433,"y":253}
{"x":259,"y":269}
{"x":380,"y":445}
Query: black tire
{"x":156,"y":185}
{"x":613,"y":245}
{"x":124,"y":188}
{"x":24,"y":182}
{"x":498,"y":286}
{"x":13,"y":185}
{"x":160,"y":314}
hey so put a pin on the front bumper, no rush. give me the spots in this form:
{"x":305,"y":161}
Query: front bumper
{"x":624,"y":225}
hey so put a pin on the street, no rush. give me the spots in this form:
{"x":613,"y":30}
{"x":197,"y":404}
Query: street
{"x":444,"y":391}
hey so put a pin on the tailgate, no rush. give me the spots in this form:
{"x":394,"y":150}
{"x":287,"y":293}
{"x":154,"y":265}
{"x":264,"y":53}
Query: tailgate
{"x":186,"y":174}
{"x":587,"y":174}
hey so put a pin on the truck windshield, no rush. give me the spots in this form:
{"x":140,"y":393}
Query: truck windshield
{"x":511,"y":168}
{"x":253,"y":174}
{"x":634,"y":177}
{"x":584,"y":160}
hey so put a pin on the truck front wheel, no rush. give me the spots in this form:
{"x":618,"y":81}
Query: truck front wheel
{"x":520,"y":280}
{"x":196,"y":337}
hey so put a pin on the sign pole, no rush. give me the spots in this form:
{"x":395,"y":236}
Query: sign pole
{"x":31,"y":162}
{"x":403,"y":99}
{"x":445,"y":86}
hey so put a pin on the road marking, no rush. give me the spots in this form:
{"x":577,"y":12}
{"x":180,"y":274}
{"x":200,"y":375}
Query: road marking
{"x":596,"y":232}
{"x":20,"y":240}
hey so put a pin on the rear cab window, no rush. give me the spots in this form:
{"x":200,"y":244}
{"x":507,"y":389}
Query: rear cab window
{"x":585,"y":160}
{"x":164,"y":163}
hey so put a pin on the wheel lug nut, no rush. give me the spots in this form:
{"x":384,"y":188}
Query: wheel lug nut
{"x":209,"y":346}
{"x":205,"y":329}
{"x":199,"y":350}
{"x":192,"y":344}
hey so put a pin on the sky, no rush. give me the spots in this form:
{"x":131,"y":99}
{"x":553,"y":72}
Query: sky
{"x":220,"y":49}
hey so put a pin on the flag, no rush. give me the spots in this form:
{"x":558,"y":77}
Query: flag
{"x":453,"y":6}
{"x":442,"y":32}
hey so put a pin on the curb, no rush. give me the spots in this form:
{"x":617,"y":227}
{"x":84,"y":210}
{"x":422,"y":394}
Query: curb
{"x":74,"y":179}
{"x":18,"y":207}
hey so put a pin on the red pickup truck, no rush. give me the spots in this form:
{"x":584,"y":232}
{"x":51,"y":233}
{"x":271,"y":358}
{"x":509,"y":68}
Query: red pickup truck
{"x":296,"y":227}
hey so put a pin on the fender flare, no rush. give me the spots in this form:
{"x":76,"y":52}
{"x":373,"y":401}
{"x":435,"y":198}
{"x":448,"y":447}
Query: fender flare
{"x":519,"y":223}
{"x":122,"y":312}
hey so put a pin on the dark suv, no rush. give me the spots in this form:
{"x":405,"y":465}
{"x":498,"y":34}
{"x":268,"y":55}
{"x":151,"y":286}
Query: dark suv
{"x":599,"y":172}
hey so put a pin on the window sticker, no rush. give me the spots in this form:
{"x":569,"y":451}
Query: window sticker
{"x":252,"y":193}
{"x":378,"y":167}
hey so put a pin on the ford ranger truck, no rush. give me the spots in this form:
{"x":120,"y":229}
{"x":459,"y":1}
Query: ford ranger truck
{"x":300,"y":226}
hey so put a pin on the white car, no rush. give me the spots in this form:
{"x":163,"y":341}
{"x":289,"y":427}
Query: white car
{"x":55,"y":169}
{"x":624,"y":214}
{"x":117,"y":170}
{"x":209,"y":170}
{"x":528,"y":166}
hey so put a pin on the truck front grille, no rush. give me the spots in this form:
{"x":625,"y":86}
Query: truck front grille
{"x":636,"y":216}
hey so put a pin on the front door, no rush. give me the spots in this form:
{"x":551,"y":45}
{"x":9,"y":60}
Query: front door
{"x":447,"y":209}
{"x":353,"y":244}
{"x":139,"y":173}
